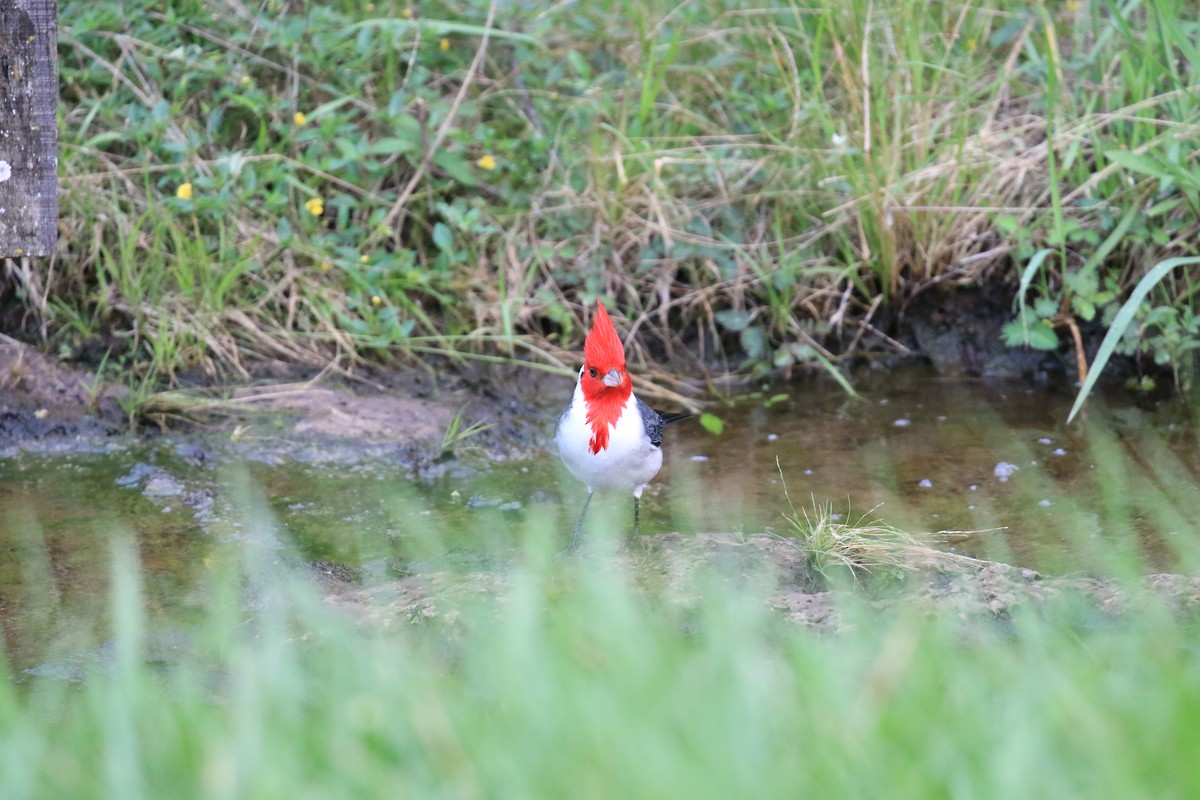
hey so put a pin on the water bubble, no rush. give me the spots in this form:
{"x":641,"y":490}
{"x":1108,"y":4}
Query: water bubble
{"x":902,"y":423}
{"x":925,"y":483}
{"x":772,"y":437}
{"x":1044,"y":503}
{"x":699,"y":458}
{"x":1045,"y":440}
{"x":1004,"y":471}
{"x":1059,"y":452}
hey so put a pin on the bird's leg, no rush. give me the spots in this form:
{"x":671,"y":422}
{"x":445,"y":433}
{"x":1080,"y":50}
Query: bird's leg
{"x":637,"y":526}
{"x":579,"y":523}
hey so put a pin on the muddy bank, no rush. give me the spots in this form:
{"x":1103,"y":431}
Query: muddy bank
{"x":959,"y":333}
{"x":46,"y":405}
{"x":409,"y":417}
{"x":956,"y":330}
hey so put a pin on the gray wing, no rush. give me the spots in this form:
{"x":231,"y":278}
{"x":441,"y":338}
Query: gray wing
{"x":652,"y":421}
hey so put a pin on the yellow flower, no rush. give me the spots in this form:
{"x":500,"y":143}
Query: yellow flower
{"x":299,"y":118}
{"x":444,"y":44}
{"x":326,"y":266}
{"x":487,"y":162}
{"x":363,"y":259}
{"x":971,"y":45}
{"x":316,"y":206}
{"x":407,"y":13}
{"x":245,"y":80}
{"x":1074,"y":5}
{"x":184,"y":192}
{"x":370,"y":7}
{"x":376,"y":300}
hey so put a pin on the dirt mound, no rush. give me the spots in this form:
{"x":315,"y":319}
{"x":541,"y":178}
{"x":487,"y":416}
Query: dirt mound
{"x":42,"y":399}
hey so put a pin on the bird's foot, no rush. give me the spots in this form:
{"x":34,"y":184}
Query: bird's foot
{"x":634,"y":537}
{"x":577,"y":534}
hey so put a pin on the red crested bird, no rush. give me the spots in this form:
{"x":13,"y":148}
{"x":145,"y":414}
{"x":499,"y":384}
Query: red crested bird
{"x":607,"y":437}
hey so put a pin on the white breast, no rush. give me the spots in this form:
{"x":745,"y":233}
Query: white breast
{"x":629,"y":461}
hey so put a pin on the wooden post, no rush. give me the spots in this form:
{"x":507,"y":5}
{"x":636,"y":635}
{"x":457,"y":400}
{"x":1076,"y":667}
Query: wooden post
{"x":28,"y":127}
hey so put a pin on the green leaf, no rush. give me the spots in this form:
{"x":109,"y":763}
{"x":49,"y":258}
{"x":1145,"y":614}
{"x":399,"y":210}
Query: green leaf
{"x":712,"y":423}
{"x":1007,"y":224}
{"x":456,"y":167}
{"x":837,"y":375}
{"x":391,"y":145}
{"x":443,"y":237}
{"x":329,"y":107}
{"x":1044,"y":307}
{"x":579,"y":64}
{"x":754,"y":342}
{"x":1008,"y":32}
{"x":1038,"y":334}
{"x":1084,"y":282}
{"x":1136,"y":163}
{"x":440,"y":27}
{"x":732,"y":320}
{"x":1042,"y":336}
{"x":1031,"y":269}
{"x":1164,"y":207}
{"x":1121,"y":322}
{"x":1084,"y":308}
{"x":1143,"y":384}
{"x":1110,"y":242}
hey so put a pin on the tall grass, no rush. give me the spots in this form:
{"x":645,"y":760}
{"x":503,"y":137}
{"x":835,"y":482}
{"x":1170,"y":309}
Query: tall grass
{"x":752,"y":184}
{"x":575,"y":679}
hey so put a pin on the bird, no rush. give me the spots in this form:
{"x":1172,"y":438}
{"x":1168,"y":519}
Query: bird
{"x":607,"y":436}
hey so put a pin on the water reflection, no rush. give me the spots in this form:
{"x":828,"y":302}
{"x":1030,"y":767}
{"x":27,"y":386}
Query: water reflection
{"x":990,"y":459}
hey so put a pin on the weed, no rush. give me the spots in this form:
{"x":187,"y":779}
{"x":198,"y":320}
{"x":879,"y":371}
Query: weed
{"x":343,"y":181}
{"x":838,"y":547}
{"x":456,"y":435}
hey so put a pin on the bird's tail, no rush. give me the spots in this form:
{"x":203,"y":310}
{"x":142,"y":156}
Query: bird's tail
{"x":667,"y":419}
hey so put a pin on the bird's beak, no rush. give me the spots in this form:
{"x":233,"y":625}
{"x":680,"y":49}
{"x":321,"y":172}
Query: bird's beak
{"x":612,"y":378}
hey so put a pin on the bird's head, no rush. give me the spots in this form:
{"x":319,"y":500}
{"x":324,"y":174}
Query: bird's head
{"x":603,"y":376}
{"x":603,"y":380}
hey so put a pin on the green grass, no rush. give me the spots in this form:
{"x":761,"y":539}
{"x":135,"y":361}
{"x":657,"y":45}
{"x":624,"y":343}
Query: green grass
{"x":575,"y":682}
{"x":748,"y":183}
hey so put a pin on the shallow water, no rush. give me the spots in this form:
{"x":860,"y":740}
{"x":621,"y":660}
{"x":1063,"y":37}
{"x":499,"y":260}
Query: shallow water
{"x":991,"y":460}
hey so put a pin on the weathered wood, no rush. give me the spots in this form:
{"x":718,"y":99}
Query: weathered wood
{"x":28,"y":127}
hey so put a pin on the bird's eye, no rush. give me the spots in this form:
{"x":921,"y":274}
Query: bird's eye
{"x":593,"y":372}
